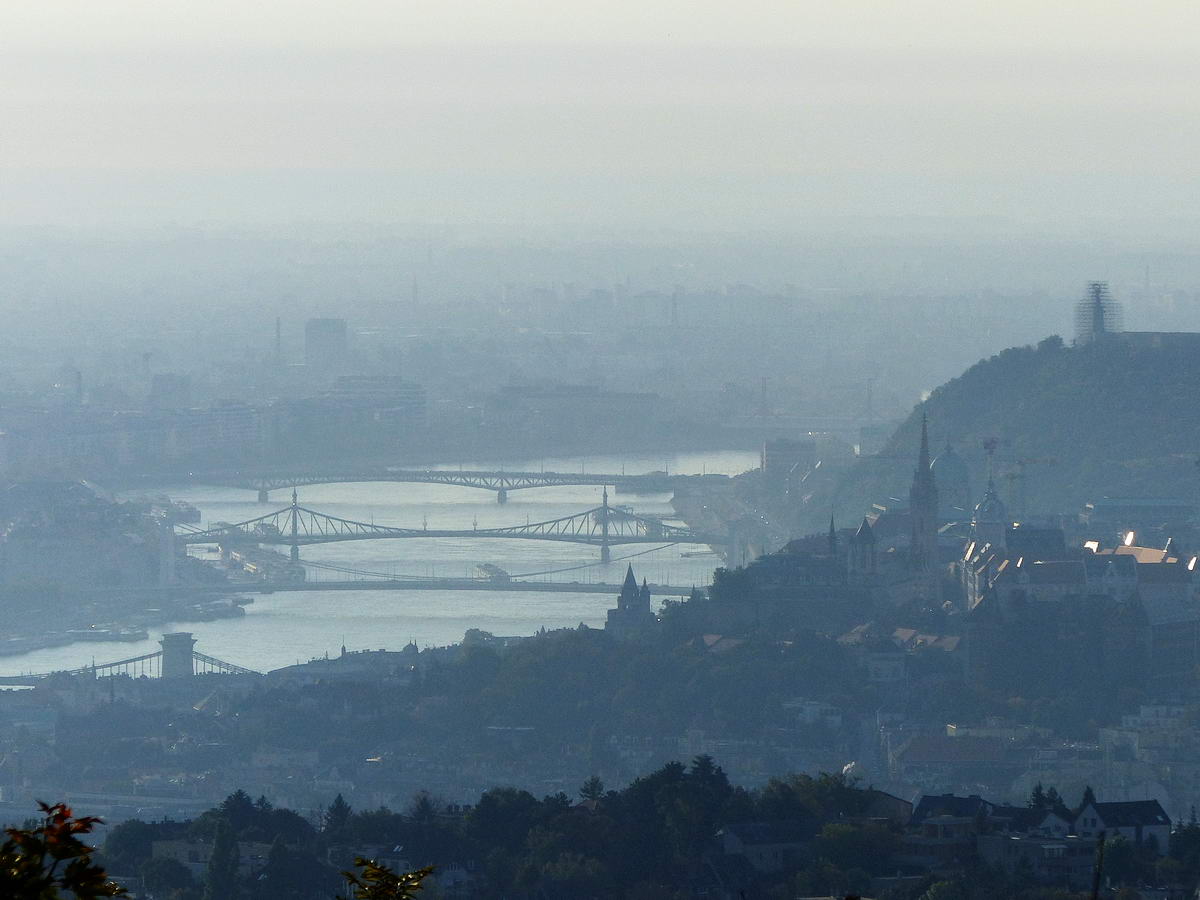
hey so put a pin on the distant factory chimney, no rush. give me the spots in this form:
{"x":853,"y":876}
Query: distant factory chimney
{"x":1097,"y":314}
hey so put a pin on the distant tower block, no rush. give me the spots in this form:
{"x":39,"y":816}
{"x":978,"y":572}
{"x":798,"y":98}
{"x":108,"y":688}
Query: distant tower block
{"x":177,"y":654}
{"x":1097,"y":314}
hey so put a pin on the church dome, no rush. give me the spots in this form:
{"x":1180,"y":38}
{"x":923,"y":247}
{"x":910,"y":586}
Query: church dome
{"x":991,"y":508}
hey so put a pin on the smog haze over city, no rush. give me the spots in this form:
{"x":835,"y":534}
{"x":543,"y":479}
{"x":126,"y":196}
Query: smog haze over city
{"x":600,"y":450}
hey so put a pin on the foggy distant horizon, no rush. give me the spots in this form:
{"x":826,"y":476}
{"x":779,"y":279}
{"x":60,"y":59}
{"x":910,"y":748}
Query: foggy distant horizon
{"x":1073,"y":121}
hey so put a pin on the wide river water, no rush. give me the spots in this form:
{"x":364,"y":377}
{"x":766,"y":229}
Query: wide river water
{"x":285,"y":628}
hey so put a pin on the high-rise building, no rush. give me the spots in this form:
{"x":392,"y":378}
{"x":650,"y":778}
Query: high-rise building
{"x":1097,"y":314}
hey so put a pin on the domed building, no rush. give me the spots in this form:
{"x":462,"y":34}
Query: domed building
{"x":990,"y":522}
{"x":954,"y":484}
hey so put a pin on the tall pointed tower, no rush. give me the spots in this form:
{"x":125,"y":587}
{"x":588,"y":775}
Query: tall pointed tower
{"x":633,"y":616}
{"x":923,"y":508}
{"x":861,"y":561}
{"x":630,"y":595}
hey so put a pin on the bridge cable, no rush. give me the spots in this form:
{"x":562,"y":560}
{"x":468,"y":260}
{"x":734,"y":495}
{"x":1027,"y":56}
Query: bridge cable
{"x":591,"y":565}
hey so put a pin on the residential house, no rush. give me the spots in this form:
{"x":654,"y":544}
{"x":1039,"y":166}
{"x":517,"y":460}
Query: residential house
{"x":1140,"y":821}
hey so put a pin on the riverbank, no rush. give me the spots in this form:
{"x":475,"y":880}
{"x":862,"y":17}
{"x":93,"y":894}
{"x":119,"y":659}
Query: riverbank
{"x":130,"y":627}
{"x":280,"y":628}
{"x":651,"y":456}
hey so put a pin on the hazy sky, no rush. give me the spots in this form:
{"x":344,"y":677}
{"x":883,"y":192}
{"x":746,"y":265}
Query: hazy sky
{"x":699,"y":114}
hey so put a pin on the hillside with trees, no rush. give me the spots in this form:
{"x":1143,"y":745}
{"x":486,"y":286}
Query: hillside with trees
{"x":1104,"y":419}
{"x":661,"y":837}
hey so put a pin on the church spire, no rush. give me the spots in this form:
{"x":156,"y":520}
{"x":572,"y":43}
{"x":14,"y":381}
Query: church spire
{"x":630,"y":593}
{"x":923,"y":507}
{"x":630,"y":579}
{"x":923,"y":457}
{"x":833,"y":542}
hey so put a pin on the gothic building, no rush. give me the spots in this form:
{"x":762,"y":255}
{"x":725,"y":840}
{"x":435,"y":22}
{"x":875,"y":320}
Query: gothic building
{"x":633,"y":616}
{"x":861,"y":561}
{"x":989,"y":524}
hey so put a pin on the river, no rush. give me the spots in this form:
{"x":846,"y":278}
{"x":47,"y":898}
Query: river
{"x":282,"y":629}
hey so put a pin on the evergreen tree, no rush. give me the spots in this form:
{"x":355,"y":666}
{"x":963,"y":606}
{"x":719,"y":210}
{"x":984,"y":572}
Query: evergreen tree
{"x":1053,"y":801}
{"x":422,"y":811}
{"x":593,"y":789}
{"x":1037,"y":799}
{"x":338,"y":815}
{"x":239,"y":810}
{"x":221,"y":878}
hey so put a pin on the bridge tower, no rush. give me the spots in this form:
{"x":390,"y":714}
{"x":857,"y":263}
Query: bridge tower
{"x":177,"y":654}
{"x":295,"y":526}
{"x":605,"y":552}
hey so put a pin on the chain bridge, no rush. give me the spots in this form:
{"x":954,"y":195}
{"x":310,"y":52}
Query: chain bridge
{"x":297,"y":526}
{"x":176,"y":659}
{"x":499,"y":481}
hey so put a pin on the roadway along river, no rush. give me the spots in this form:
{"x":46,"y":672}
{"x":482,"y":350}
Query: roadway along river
{"x":282,"y":629}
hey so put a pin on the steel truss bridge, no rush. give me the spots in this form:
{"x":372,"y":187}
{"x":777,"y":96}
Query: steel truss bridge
{"x":499,"y":481}
{"x":149,"y":665}
{"x":297,"y":526}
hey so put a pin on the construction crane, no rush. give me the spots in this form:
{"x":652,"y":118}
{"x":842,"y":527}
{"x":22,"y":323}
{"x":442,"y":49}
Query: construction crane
{"x":1017,"y":478}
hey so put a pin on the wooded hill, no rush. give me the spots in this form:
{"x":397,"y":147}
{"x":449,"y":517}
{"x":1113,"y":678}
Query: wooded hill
{"x":1114,"y":418}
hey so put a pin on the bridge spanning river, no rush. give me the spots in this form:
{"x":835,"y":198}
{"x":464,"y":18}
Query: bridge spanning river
{"x":296,"y":526}
{"x":490,"y":480}
{"x":388,"y":592}
{"x":178,"y":658}
{"x":384,"y":583}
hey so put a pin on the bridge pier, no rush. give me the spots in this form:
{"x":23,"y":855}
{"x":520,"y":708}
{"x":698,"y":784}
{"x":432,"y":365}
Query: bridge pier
{"x":264,"y":496}
{"x":605,"y":553}
{"x":502,"y":496}
{"x":295,"y":553}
